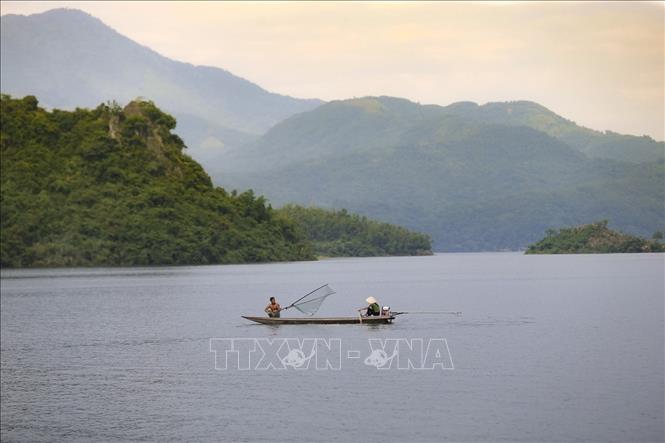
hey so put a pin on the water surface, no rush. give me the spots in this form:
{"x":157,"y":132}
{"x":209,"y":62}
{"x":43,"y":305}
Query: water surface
{"x":549,"y":348}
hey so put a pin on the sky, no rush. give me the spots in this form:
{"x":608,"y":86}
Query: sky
{"x":600,"y":64}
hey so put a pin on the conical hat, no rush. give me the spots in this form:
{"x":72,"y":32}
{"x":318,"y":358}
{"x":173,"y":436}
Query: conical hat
{"x":370,"y":300}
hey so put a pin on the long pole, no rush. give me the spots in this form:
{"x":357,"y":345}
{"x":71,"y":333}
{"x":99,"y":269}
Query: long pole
{"x":429,"y":312}
{"x":291,"y":305}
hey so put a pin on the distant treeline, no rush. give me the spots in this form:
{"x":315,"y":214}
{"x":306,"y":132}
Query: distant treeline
{"x":339,"y":233}
{"x":594,"y":238}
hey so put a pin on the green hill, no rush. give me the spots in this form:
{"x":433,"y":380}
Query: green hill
{"x":112,"y":186}
{"x":591,"y":239}
{"x":471,"y":185}
{"x":594,"y":144}
{"x":340,"y":234}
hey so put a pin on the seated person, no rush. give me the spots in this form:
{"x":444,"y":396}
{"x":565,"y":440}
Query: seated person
{"x":373,"y":308}
{"x":273,"y":308}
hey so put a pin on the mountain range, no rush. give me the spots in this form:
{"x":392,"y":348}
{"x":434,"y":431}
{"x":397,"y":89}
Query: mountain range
{"x":474,"y":177}
{"x":471,"y":182}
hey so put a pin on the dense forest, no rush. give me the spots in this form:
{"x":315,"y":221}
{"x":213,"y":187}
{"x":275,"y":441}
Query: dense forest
{"x":593,"y":239}
{"x":338,"y":233}
{"x":112,"y":186}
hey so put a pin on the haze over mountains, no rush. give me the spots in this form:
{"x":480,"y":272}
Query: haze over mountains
{"x":69,"y":59}
{"x":474,"y":177}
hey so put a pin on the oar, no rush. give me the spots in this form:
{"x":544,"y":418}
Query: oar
{"x":292,"y":304}
{"x":428,"y":312}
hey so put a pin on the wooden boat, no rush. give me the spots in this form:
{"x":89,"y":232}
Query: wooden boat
{"x":321,"y":320}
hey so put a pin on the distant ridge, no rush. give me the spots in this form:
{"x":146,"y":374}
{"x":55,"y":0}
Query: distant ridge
{"x":593,"y":143}
{"x":71,"y":59}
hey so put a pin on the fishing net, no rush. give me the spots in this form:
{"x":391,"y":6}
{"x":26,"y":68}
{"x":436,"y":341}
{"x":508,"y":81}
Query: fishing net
{"x":312,"y":301}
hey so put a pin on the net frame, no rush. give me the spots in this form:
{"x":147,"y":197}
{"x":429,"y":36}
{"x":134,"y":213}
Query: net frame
{"x":311,"y":303}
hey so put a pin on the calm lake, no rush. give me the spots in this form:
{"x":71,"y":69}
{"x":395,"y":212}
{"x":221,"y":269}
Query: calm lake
{"x":548,"y":348}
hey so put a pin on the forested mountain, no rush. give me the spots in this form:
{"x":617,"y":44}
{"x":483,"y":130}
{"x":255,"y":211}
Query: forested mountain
{"x":470,"y":184}
{"x":70,"y":59}
{"x":112,"y":186}
{"x":594,"y":144}
{"x":340,"y":234}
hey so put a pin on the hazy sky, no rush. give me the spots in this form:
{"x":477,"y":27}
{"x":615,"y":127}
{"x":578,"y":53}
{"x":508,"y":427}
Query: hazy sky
{"x":599,"y":64}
